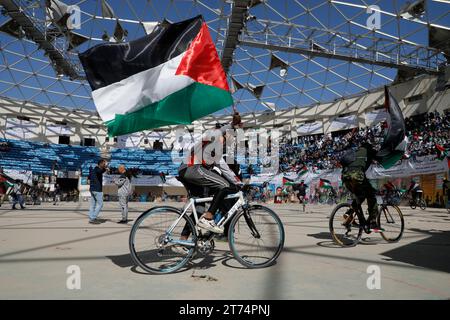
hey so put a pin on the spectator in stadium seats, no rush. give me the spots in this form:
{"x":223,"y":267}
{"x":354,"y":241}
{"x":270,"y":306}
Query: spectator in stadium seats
{"x":55,"y":167}
{"x":96,"y":189}
{"x":124,"y":190}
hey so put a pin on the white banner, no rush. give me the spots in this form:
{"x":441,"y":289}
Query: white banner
{"x":408,"y":168}
{"x":20,"y":129}
{"x":24,"y":175}
{"x":58,"y":130}
{"x":375,"y":117}
{"x":310,"y":128}
{"x":138,"y":181}
{"x":423,"y":165}
{"x":129,"y":141}
{"x":344,"y":123}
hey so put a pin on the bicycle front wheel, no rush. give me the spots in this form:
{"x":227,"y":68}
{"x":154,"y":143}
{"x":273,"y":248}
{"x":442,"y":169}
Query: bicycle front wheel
{"x":344,"y":225}
{"x":256,"y":237}
{"x":391,"y":220}
{"x":422,"y":204}
{"x":154,"y":248}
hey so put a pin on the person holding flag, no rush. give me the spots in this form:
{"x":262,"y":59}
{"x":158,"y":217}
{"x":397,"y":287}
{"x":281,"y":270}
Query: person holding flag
{"x":217,"y":177}
{"x":355,"y":163}
{"x":171,"y":76}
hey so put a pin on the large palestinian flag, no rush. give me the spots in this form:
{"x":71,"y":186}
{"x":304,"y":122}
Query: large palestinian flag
{"x":395,"y":141}
{"x":171,"y":76}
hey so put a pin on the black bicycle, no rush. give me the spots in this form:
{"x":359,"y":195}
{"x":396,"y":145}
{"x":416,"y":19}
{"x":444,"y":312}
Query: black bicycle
{"x":417,"y":201}
{"x":347,"y":224}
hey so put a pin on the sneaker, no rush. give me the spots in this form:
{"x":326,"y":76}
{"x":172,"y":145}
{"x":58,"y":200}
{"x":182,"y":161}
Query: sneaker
{"x":123,"y":221}
{"x":209,"y":225}
{"x":182,"y":250}
{"x":94,"y":221}
{"x":374,"y":227}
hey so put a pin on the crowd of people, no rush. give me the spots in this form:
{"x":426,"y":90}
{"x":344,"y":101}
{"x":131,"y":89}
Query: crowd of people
{"x":323,"y":152}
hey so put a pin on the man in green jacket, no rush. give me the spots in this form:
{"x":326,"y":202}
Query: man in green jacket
{"x":354,"y":166}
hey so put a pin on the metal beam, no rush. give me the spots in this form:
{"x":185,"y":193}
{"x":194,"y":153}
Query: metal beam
{"x":338,"y":45}
{"x":313,"y":53}
{"x":36,"y":33}
{"x":236,"y":22}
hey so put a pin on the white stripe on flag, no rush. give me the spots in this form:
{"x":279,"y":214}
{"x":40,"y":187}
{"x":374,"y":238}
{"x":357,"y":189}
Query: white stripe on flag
{"x":140,"y":90}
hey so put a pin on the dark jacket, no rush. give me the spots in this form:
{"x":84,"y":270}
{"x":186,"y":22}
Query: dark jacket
{"x":362,"y":158}
{"x":446,"y":188}
{"x":96,"y":180}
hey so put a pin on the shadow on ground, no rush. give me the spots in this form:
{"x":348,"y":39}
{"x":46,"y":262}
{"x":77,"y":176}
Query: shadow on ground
{"x":430,"y":253}
{"x":198,"y":262}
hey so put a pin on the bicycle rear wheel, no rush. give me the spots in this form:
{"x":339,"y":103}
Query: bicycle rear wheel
{"x":344,"y":225}
{"x":391,"y":220}
{"x":153,"y":249}
{"x":256,"y":237}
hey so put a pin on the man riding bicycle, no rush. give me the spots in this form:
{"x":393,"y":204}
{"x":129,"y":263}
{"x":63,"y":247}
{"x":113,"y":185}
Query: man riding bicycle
{"x":415,"y":190}
{"x":216,"y":176}
{"x":354,"y":166}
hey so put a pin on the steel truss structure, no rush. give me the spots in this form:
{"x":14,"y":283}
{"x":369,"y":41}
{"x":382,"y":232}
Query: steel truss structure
{"x":278,"y":54}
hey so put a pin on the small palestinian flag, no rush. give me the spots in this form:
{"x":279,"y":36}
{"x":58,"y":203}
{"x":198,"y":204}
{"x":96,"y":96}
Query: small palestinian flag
{"x":171,"y":76}
{"x":162,"y":175}
{"x":325,"y":184}
{"x":441,"y":152}
{"x":303,"y":170}
{"x":395,"y":141}
{"x":288,"y":182}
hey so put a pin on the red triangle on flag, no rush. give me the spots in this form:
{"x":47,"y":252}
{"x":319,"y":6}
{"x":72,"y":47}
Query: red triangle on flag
{"x":201,"y":61}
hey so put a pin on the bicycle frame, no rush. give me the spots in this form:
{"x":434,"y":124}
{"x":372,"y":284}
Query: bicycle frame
{"x":381,"y":205}
{"x":191,"y":205}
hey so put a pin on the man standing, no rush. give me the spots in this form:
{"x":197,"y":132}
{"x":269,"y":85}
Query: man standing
{"x":124,"y":185}
{"x":56,"y":194}
{"x":96,"y":189}
{"x":446,"y":191}
{"x":17,"y":195}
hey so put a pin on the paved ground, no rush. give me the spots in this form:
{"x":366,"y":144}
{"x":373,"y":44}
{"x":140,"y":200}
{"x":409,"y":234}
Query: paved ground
{"x":38,"y":244}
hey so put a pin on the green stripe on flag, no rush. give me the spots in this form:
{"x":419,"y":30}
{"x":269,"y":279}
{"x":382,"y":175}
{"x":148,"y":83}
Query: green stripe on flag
{"x":182,"y":107}
{"x":390,"y":160}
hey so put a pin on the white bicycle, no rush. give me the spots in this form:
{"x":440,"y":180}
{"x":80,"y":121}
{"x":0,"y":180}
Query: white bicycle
{"x":255,"y":235}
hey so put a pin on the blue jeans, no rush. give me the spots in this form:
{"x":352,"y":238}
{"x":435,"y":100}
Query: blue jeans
{"x":18,"y":199}
{"x":96,"y":204}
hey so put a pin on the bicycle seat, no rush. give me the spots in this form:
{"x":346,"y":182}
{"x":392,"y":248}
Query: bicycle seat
{"x":194,"y":191}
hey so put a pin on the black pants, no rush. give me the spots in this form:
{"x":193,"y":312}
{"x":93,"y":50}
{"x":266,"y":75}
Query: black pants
{"x":301,"y":197}
{"x":199,"y":176}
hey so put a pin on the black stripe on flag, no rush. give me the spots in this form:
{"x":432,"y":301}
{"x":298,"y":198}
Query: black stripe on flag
{"x":396,"y":125}
{"x":108,"y":63}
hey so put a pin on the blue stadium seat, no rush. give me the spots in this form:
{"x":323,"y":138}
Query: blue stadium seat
{"x":39,"y":156}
